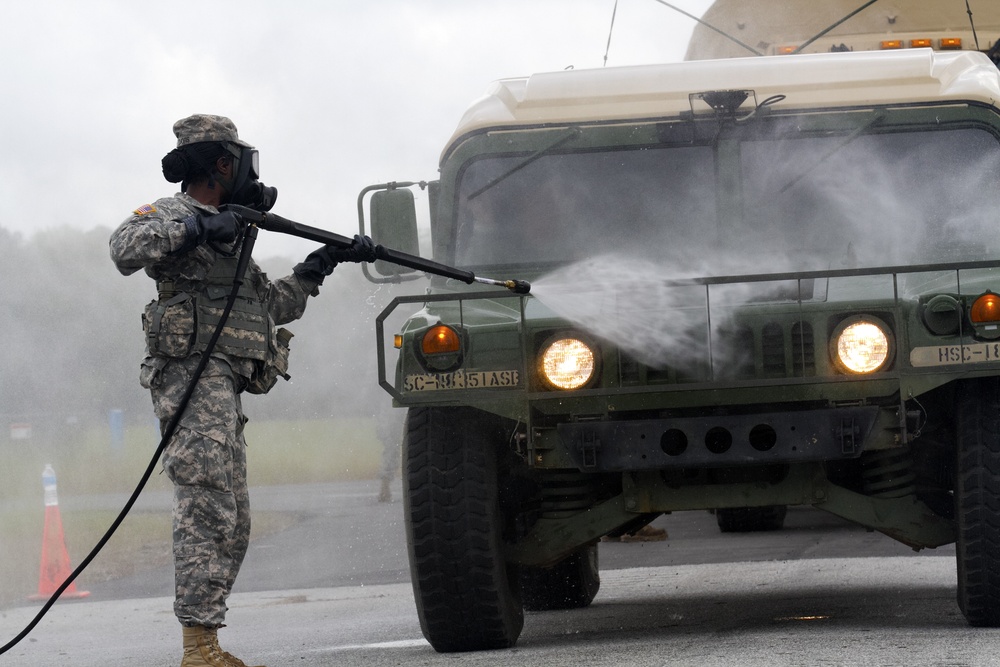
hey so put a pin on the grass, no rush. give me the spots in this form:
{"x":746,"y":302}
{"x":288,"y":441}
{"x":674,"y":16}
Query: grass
{"x":287,"y":452}
{"x":312,"y":451}
{"x":85,"y":464}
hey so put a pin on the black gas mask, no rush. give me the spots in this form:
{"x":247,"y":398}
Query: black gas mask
{"x":247,"y":190}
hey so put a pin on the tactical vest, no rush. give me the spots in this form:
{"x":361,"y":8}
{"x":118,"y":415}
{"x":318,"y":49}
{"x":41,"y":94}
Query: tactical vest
{"x":181,"y":322}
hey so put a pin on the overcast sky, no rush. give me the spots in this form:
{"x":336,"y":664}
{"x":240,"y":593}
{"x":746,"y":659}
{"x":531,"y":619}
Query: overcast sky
{"x":336,"y":95}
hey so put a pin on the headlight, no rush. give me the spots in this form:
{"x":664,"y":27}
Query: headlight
{"x":862,"y":345}
{"x":567,"y":363}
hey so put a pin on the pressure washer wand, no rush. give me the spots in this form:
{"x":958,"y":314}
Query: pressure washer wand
{"x":276,"y":223}
{"x":516,"y":286}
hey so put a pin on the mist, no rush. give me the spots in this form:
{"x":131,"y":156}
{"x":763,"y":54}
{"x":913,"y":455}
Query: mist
{"x":645,"y":308}
{"x":809,"y":205}
{"x":74,"y":337}
{"x":70,"y":397}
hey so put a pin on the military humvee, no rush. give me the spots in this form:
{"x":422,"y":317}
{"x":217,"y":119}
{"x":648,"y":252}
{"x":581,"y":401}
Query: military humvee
{"x":757,"y":283}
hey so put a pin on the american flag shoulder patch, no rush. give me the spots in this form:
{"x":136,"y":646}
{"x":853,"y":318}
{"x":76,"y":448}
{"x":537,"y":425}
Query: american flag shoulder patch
{"x":145,"y":209}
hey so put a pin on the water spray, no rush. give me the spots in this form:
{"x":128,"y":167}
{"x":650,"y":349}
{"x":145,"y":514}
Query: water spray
{"x":276,"y":223}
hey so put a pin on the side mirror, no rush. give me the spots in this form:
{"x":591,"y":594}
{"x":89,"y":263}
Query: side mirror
{"x":394,"y":225}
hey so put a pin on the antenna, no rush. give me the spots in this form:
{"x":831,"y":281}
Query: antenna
{"x":610,"y":30}
{"x":711,"y":27}
{"x":831,"y":27}
{"x":972,"y":22}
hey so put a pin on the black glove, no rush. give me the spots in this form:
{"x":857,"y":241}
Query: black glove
{"x":223,"y":227}
{"x":320,"y":263}
{"x":317,"y":265}
{"x":361,"y":250}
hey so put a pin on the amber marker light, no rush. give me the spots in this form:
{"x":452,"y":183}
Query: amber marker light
{"x":985,"y":309}
{"x":440,"y":349}
{"x":920,"y":43}
{"x":891,"y":44}
{"x":787,"y":50}
{"x":440,"y":339}
{"x":951,"y":43}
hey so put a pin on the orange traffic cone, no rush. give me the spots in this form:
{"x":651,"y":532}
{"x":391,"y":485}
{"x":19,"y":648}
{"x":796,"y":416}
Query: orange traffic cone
{"x":55,"y":567}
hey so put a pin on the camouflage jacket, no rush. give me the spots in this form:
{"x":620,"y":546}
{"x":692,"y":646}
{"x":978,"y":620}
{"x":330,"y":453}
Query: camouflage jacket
{"x":151,"y":238}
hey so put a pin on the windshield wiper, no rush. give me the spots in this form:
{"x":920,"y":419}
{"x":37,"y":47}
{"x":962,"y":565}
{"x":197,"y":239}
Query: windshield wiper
{"x":573,"y":132}
{"x":823,"y":158}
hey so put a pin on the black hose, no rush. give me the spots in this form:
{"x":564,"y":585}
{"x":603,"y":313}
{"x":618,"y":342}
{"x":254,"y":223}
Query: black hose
{"x":250,"y":236}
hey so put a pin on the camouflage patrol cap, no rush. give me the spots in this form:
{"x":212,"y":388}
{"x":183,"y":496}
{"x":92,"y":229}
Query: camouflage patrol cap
{"x":206,"y":127}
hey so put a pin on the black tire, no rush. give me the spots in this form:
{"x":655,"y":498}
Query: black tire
{"x":977,"y":500}
{"x":751,"y":519}
{"x":467,"y":597}
{"x":569,"y":584}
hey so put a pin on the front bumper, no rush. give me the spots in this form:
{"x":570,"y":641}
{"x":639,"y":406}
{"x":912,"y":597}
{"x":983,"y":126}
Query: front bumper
{"x":715,"y":441}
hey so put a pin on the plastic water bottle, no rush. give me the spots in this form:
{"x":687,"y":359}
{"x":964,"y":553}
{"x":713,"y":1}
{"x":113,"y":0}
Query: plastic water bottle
{"x":49,"y":484}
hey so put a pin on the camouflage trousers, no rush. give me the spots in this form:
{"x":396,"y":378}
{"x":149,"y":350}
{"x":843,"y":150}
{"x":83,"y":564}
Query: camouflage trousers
{"x":206,"y":461}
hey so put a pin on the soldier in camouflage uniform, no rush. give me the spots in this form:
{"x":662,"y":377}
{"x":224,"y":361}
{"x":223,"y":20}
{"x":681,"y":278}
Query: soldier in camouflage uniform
{"x":190,"y":248}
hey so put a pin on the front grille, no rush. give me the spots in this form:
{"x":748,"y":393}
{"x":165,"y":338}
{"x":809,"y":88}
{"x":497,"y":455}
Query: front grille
{"x":772,"y":350}
{"x":776,"y":350}
{"x":803,"y":350}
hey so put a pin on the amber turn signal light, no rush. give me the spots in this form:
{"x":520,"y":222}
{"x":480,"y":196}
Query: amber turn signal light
{"x":985,"y":309}
{"x":440,"y":339}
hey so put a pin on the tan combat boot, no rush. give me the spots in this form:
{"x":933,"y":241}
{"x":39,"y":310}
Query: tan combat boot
{"x":201,"y":649}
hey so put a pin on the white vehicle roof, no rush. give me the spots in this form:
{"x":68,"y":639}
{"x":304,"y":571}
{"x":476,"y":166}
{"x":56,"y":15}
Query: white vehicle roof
{"x":807,"y":81}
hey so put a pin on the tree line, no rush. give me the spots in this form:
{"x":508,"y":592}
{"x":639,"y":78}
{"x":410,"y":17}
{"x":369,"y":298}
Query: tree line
{"x":74,"y":337}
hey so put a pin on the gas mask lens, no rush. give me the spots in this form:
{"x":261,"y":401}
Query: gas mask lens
{"x":254,"y":164}
{"x":248,"y":190}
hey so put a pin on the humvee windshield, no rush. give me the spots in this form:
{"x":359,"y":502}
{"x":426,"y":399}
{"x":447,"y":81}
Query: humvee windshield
{"x":774,"y":197}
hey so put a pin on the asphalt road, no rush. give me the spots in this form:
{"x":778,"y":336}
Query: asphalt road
{"x":849,"y":611}
{"x":333,"y":589}
{"x":341,"y":536}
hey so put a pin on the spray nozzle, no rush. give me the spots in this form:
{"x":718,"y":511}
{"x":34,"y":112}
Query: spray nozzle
{"x":515,"y":286}
{"x":518,"y":286}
